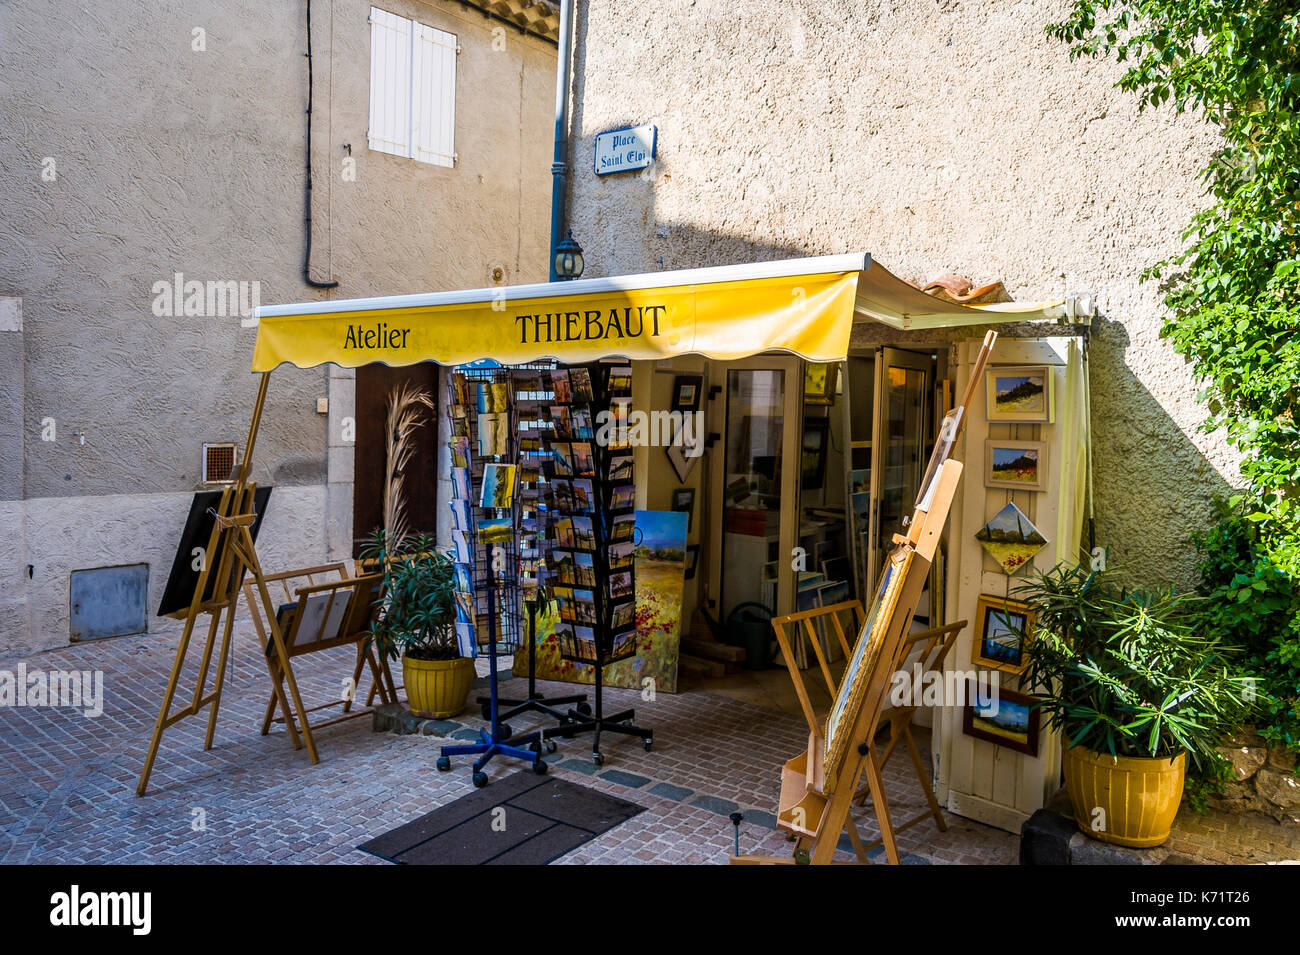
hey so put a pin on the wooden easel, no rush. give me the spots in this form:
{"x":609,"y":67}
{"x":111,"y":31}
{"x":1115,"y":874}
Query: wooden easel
{"x":818,"y":787}
{"x":356,"y":599}
{"x":230,"y":554}
{"x":935,"y":645}
{"x":937,"y":642}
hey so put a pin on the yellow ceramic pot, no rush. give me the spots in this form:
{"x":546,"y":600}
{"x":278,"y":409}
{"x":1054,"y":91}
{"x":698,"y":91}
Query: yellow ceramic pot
{"x":437,"y":688}
{"x":1126,"y":800}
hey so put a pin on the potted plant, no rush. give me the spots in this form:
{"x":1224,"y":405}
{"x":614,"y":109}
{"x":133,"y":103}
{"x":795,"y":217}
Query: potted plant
{"x":416,"y":621}
{"x":1139,"y":687}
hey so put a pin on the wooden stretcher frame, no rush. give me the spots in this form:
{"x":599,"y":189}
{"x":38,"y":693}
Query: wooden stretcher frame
{"x":354,"y":629}
{"x":817,"y":793}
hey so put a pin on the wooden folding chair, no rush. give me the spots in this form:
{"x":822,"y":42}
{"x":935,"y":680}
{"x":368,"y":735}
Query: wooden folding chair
{"x":332,"y":611}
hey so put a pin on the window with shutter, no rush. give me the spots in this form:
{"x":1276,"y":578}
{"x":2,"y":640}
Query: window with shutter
{"x":412,"y":89}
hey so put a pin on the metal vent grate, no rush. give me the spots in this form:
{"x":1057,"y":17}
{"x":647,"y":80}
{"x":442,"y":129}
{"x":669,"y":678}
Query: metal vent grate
{"x":218,"y":463}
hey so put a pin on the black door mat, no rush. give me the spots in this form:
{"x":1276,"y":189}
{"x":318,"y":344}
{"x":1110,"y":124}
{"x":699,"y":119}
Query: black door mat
{"x":543,"y":819}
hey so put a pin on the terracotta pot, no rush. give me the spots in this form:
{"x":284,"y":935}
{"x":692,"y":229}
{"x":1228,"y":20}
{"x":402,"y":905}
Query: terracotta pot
{"x":437,"y":688}
{"x":1138,"y":797}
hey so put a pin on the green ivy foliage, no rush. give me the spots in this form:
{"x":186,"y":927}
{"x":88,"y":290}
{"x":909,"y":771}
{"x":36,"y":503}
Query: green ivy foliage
{"x":1253,"y":604}
{"x":1233,"y":292}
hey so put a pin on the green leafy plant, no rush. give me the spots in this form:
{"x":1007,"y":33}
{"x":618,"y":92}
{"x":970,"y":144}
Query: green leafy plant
{"x":1131,"y":673}
{"x":417,"y":612}
{"x":1254,"y":603}
{"x":1234,"y":289}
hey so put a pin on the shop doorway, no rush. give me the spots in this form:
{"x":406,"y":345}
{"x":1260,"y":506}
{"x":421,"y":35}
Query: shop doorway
{"x":754,"y":478}
{"x":896,"y":396}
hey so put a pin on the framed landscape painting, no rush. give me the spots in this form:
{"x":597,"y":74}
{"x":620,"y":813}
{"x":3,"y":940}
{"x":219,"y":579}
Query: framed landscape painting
{"x":1019,"y":394}
{"x":1000,"y":640}
{"x":1020,"y":465}
{"x":1011,"y":539}
{"x":1010,"y":720}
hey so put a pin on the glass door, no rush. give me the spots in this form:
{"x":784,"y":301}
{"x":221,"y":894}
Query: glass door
{"x":903,"y":399}
{"x":755,"y":489}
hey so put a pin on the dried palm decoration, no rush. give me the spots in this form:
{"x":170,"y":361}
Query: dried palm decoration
{"x":409,"y":408}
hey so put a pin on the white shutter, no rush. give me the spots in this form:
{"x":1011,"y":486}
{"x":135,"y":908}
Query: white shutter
{"x":390,"y":83}
{"x":433,"y":96}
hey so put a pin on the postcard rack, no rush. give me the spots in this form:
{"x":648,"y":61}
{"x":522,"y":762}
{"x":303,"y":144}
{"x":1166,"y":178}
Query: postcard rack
{"x":485,"y":547}
{"x":532,"y":391}
{"x":592,"y":529}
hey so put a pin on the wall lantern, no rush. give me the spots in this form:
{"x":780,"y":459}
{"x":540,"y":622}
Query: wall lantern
{"x":568,"y":258}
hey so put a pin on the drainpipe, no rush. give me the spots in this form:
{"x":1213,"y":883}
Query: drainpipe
{"x":306,"y":265}
{"x":559,"y":165}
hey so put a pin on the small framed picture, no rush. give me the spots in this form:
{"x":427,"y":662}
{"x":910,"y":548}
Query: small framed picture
{"x":1000,"y":641}
{"x":682,"y":457}
{"x":692,"y":560}
{"x":816,"y":438}
{"x":1020,"y":465}
{"x":819,"y":382}
{"x":1020,"y":394}
{"x":1009,"y":720}
{"x":684,"y":500}
{"x":686,"y":392}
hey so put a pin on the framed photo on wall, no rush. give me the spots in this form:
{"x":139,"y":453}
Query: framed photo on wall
{"x":1009,"y":721}
{"x":684,"y":500}
{"x":1025,"y":394}
{"x":1000,"y":641}
{"x":682,"y":462}
{"x":686,"y":392}
{"x":816,"y":438}
{"x":819,"y":382}
{"x":1019,"y":465}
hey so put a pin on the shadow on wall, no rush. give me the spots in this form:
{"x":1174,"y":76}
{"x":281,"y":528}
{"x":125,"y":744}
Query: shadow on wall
{"x":1153,"y":485}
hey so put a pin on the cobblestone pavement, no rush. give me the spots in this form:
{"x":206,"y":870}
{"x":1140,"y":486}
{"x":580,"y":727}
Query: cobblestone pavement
{"x":67,"y":781}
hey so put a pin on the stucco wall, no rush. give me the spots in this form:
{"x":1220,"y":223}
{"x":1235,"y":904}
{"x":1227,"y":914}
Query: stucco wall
{"x":941,"y":137}
{"x":167,"y":159}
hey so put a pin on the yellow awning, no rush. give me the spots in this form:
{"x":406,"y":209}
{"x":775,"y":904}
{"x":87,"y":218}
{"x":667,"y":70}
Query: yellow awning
{"x":802,"y":306}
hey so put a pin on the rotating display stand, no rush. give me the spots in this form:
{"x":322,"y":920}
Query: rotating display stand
{"x":497,"y":741}
{"x":535,"y":702}
{"x":592,"y":526}
{"x":486,"y":538}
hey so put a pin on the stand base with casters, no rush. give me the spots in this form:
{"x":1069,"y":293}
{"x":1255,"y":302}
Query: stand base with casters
{"x":535,"y":702}
{"x":579,"y":722}
{"x":497,"y":741}
{"x":489,"y":747}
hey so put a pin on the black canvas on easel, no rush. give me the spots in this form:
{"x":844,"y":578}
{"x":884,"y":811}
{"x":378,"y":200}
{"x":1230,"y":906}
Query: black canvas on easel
{"x":184,"y":576}
{"x":592,"y":542}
